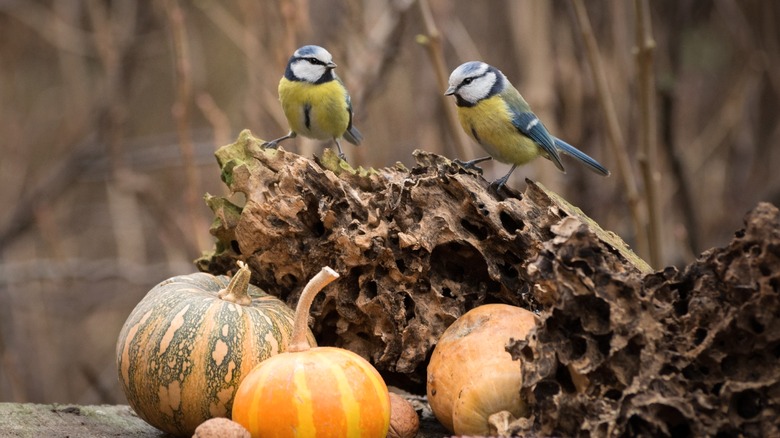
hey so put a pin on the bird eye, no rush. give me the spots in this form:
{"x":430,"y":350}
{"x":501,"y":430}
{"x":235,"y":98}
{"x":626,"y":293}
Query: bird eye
{"x":467,"y":81}
{"x":313,"y":60}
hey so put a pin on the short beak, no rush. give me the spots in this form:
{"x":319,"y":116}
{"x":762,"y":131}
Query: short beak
{"x":331,"y":65}
{"x":451,"y":90}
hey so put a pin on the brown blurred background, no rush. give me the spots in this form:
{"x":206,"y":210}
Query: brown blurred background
{"x":111,"y":112}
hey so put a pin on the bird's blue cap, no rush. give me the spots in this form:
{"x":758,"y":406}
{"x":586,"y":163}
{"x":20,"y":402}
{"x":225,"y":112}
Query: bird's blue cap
{"x":310,"y":50}
{"x":471,"y":68}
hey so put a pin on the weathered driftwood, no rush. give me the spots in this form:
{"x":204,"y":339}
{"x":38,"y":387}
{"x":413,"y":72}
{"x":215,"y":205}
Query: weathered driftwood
{"x":620,"y":350}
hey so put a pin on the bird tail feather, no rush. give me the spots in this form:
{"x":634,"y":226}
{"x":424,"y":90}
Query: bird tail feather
{"x":353,"y":136}
{"x":592,"y":164}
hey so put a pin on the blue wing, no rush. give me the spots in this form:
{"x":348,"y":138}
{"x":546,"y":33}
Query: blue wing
{"x":530,"y":126}
{"x":352,"y":134}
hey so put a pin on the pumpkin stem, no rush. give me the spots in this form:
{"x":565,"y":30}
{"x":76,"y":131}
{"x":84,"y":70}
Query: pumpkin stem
{"x":237,"y":290}
{"x":301,"y":324}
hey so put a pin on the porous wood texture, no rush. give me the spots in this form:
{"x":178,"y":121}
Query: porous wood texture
{"x":416,"y":248}
{"x":620,"y":350}
{"x":680,"y":352}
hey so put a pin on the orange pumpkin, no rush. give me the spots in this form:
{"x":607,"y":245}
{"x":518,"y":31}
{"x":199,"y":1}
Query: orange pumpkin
{"x":471,"y":375}
{"x":313,"y":392}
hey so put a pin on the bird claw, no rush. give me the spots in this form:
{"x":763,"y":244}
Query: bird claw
{"x":472,"y":164}
{"x":270,"y":144}
{"x":499,"y":184}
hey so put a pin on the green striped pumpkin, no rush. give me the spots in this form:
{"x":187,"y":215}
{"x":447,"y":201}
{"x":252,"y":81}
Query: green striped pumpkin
{"x":186,"y":346}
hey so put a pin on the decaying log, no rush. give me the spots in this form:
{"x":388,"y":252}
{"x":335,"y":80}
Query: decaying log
{"x":692,"y":352}
{"x":620,"y":350}
{"x":416,"y":248}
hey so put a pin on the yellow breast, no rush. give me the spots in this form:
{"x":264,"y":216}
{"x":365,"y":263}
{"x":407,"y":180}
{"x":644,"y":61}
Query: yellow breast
{"x":489,"y":123}
{"x":315,"y":110}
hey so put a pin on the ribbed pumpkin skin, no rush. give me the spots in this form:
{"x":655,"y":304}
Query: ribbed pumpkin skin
{"x":183,"y":351}
{"x":344,"y":396}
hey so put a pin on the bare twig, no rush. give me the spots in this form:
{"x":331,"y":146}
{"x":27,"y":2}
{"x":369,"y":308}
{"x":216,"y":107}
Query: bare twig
{"x":60,"y":33}
{"x":170,"y":225}
{"x":297,"y":25}
{"x":113,"y":37}
{"x":613,"y":128}
{"x":181,"y":114}
{"x":432,"y":42}
{"x":535,"y":24}
{"x":383,"y":40}
{"x":218,"y":119}
{"x":460,"y":39}
{"x":371,"y":58}
{"x":729,"y":116}
{"x":57,"y":182}
{"x":268,"y":100}
{"x":73,"y":68}
{"x":245,"y":38}
{"x":648,"y":127}
{"x":680,"y":177}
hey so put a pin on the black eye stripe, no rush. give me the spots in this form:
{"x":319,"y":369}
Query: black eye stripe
{"x":474,"y":78}
{"x":471,"y":79}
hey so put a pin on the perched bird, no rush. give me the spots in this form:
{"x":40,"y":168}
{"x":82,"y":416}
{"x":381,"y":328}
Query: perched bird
{"x":497,"y":117}
{"x":314,"y":99}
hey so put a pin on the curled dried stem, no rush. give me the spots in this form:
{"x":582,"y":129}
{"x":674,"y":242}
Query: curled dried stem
{"x":312,"y":288}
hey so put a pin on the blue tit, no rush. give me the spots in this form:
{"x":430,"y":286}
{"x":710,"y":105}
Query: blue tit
{"x":314,"y":99}
{"x":497,"y":117}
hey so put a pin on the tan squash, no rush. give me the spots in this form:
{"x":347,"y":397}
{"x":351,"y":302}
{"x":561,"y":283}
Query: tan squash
{"x":470,"y":374}
{"x":188,"y":343}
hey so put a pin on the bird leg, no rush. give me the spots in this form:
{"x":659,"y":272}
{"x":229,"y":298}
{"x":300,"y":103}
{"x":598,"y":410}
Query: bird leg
{"x":275,"y":143}
{"x":499,"y":183}
{"x":472,"y":164}
{"x":341,"y":153}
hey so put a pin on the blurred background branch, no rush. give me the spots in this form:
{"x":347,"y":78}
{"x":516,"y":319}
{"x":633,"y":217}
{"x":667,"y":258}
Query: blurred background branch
{"x":648,"y":128}
{"x":431,"y":40}
{"x":111,"y":113}
{"x":181,"y":110}
{"x":618,"y":145}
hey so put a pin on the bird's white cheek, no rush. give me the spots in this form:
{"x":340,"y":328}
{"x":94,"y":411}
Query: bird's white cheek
{"x":478,"y":89}
{"x":307,"y":71}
